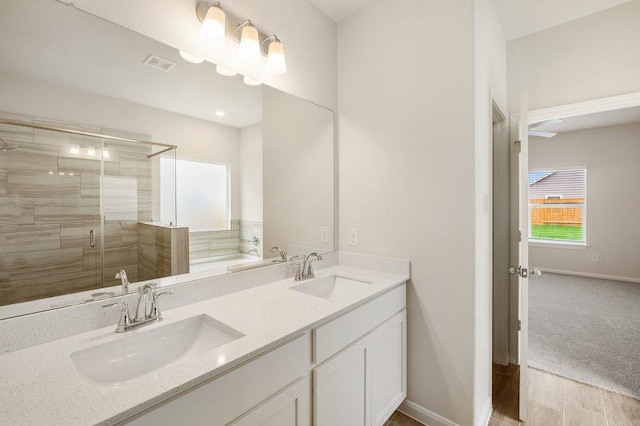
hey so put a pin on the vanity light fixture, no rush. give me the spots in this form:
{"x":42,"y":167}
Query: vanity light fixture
{"x":276,"y":62}
{"x":91,"y":151}
{"x":190,"y":58}
{"x":251,"y":82}
{"x":249,"y":50}
{"x":244,"y":32}
{"x":214,"y":27}
{"x":220,"y":113}
{"x":225,"y":71}
{"x":105,"y":152}
{"x":75,"y":149}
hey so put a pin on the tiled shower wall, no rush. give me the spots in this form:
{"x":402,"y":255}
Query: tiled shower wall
{"x":248,"y":230}
{"x":50,"y":201}
{"x":204,"y":244}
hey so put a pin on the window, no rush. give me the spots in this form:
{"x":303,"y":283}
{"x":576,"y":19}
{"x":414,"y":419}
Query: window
{"x":202,"y":193}
{"x":557,"y":205}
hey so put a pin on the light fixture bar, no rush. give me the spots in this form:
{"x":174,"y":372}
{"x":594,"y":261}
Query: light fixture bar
{"x":233,"y":22}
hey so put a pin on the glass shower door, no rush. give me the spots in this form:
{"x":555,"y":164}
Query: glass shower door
{"x":50,"y":219}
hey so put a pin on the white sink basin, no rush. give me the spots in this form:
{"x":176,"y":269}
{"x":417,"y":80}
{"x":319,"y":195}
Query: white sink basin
{"x":132,"y":356}
{"x":332,"y":287}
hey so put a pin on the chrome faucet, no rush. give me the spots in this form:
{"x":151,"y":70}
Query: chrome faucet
{"x":145,"y":293}
{"x":306,"y":271}
{"x":283,"y":253}
{"x":122,"y":276}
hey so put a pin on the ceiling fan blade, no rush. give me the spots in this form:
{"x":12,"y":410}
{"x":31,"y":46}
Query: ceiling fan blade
{"x":545,"y":123}
{"x":541,"y":134}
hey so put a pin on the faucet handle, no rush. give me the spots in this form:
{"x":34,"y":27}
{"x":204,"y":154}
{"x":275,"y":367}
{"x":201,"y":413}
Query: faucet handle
{"x":155,"y":309}
{"x":125,"y":319}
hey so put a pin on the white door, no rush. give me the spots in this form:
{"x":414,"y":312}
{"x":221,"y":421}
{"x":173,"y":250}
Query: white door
{"x":523,"y":251}
{"x":387,"y":350}
{"x":289,"y":407}
{"x":340,"y":394}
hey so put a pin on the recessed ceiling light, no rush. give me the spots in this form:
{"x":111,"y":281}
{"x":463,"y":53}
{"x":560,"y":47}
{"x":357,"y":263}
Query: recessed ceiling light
{"x":251,"y":82}
{"x":191,"y":58}
{"x":220,"y":113}
{"x":225,"y":71}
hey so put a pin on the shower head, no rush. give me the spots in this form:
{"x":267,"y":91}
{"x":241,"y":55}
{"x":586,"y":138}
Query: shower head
{"x":4,"y":147}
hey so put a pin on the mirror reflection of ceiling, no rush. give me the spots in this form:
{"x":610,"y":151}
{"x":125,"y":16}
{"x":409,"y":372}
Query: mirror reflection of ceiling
{"x":593,"y":121}
{"x":112,"y":64}
{"x":520,"y":18}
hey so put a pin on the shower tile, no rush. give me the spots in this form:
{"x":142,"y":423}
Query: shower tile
{"x":77,"y":234}
{"x":42,"y":184}
{"x":53,"y":210}
{"x":47,"y":286}
{"x":16,"y":134}
{"x":33,"y":264}
{"x":89,"y":185}
{"x":16,"y":210}
{"x":30,"y":157}
{"x":120,"y":256}
{"x":79,"y":165}
{"x":129,"y":232}
{"x":27,"y":238}
{"x":3,"y":182}
{"x":64,"y":124}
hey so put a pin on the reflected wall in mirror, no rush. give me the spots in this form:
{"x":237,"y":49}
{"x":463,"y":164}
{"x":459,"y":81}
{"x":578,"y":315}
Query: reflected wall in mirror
{"x":253,"y":168}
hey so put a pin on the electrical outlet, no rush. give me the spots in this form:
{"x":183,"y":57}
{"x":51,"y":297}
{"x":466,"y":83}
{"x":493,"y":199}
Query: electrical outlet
{"x":353,"y":237}
{"x":595,"y":258}
{"x":324,"y":234}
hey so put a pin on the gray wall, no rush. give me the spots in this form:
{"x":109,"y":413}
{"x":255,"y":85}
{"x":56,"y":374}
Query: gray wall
{"x":590,"y":58}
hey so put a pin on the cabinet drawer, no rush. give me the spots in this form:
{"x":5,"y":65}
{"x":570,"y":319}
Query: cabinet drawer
{"x":341,"y":332}
{"x":224,"y":398}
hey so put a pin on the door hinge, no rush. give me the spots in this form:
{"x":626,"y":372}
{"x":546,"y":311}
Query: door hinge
{"x":519,"y":236}
{"x":519,"y":325}
{"x":518,"y":144}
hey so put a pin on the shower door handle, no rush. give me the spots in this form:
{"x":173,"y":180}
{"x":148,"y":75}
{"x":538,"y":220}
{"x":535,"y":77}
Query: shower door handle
{"x":92,"y":238}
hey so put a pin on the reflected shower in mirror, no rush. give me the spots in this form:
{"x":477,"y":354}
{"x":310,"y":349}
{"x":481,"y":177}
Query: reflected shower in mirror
{"x":252,"y":167}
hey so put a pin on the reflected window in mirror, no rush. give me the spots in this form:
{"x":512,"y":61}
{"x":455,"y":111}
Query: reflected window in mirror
{"x":202,"y":190}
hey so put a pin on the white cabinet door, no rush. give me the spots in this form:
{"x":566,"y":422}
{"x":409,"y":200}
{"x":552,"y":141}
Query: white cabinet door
{"x":289,"y":407}
{"x":386,"y":349}
{"x":340,"y":389}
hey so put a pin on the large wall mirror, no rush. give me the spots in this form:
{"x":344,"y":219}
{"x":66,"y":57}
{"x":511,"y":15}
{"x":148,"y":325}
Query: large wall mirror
{"x":116,"y":153}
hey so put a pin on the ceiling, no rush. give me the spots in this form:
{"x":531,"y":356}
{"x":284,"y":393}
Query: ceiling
{"x":520,"y":18}
{"x":339,"y":10}
{"x":593,"y":121}
{"x":66,"y":47}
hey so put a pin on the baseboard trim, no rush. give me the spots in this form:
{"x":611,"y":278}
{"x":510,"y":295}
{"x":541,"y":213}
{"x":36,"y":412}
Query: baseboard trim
{"x":486,"y":413}
{"x":424,"y":416}
{"x":589,"y":275}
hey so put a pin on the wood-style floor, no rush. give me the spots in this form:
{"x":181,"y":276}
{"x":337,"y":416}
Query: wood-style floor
{"x":399,"y":419}
{"x":555,"y":401}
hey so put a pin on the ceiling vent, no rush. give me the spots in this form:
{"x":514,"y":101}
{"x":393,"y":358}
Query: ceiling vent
{"x":159,"y":63}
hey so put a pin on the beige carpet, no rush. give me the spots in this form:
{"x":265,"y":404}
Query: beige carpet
{"x":587,"y":330}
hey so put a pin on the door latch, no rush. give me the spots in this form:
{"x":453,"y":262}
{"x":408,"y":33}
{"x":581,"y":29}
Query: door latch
{"x":519,"y":270}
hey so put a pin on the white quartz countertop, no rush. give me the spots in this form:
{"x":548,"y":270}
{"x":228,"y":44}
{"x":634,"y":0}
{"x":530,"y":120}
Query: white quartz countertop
{"x":40,"y":385}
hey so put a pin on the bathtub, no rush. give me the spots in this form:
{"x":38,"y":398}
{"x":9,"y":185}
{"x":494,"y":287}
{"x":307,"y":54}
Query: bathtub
{"x":221,"y":262}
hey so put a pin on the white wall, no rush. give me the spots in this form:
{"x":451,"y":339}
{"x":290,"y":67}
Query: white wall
{"x":490,"y":79}
{"x":593,"y":57}
{"x":298,"y":171}
{"x":613,"y":205}
{"x":196,"y":139}
{"x":406,"y":179}
{"x":251,"y":173}
{"x":308,"y":35}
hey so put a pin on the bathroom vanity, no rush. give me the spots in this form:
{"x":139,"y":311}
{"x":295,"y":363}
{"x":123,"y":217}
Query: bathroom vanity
{"x":329,"y":350}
